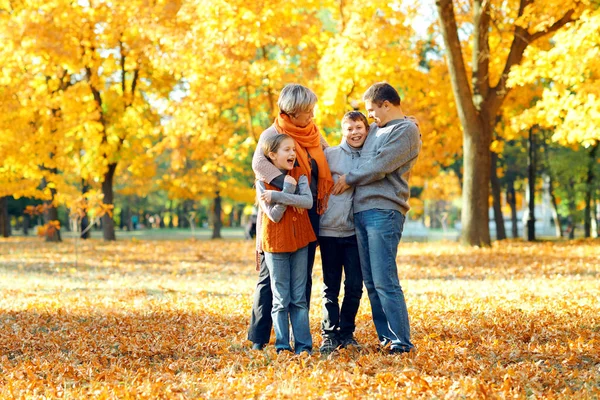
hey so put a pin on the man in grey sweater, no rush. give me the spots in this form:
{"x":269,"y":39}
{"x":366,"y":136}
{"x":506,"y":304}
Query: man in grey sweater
{"x":380,"y":205}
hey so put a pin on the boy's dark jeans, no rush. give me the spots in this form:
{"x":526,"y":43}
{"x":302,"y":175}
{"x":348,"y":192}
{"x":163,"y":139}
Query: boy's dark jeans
{"x":339,"y":254}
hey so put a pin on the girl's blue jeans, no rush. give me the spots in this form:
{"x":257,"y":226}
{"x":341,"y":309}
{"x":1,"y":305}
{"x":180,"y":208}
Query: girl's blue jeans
{"x":289,"y":273}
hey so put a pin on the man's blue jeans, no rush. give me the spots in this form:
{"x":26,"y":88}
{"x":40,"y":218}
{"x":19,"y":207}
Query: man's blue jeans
{"x":379,"y":232}
{"x":288,"y":282}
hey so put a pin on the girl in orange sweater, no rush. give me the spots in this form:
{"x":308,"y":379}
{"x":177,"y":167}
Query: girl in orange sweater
{"x":285,"y":234}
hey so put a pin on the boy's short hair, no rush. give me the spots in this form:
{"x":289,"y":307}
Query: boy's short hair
{"x":295,"y":98}
{"x":380,"y":92}
{"x":356,"y":116}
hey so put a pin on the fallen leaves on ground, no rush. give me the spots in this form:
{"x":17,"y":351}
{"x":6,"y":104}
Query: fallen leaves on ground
{"x":168,"y":319}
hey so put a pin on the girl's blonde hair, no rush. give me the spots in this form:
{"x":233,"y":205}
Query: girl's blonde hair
{"x":272,"y":144}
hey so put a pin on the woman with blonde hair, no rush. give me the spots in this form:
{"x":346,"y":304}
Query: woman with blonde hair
{"x":296,"y":112}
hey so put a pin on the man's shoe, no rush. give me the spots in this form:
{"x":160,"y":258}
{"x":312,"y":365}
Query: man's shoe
{"x":349,"y":342}
{"x":329,"y":345}
{"x":400,"y":350}
{"x":258,"y":346}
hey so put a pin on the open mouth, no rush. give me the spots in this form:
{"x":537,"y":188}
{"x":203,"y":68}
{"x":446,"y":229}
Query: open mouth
{"x":290,"y":161}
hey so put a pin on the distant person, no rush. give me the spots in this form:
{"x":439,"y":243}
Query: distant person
{"x":380,"y":205}
{"x":285,"y":235}
{"x":296,"y":111}
{"x":250,"y":230}
{"x":337,"y":238}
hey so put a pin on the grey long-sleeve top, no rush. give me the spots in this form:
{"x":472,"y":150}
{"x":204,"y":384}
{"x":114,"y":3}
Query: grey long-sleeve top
{"x":274,"y":210}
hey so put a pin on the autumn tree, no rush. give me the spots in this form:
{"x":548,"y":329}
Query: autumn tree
{"x":104,"y":73}
{"x":569,"y":104}
{"x":500,"y":34}
{"x":235,"y":59}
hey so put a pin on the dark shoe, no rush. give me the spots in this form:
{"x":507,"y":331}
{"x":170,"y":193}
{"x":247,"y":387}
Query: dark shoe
{"x":258,"y":346}
{"x":329,"y":345}
{"x":400,"y":350}
{"x":349,"y":342}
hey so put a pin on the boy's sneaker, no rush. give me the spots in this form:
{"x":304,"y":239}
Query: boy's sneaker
{"x":350,"y":342}
{"x":329,"y":345}
{"x":258,"y":346}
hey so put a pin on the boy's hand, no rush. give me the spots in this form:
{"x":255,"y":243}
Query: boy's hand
{"x":340,"y":186}
{"x":266,"y":195}
{"x":290,"y":179}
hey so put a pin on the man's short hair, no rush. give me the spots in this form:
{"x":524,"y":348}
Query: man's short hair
{"x":380,"y":92}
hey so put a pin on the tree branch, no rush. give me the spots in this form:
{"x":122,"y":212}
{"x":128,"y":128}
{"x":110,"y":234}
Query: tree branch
{"x":456,"y":64}
{"x":481,"y":52}
{"x":521,"y":40}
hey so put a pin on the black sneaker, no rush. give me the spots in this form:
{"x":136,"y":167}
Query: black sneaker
{"x":400,"y":350}
{"x":350,"y":342}
{"x":258,"y":346}
{"x":329,"y":345}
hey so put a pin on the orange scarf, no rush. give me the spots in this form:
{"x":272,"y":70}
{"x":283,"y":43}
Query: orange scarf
{"x":308,"y":143}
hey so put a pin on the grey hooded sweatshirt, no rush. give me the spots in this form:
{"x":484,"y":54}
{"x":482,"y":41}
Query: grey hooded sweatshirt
{"x":338,"y":219}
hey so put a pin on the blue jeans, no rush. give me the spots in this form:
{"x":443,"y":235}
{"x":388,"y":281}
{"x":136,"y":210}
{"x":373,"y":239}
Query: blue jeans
{"x":379,"y":232}
{"x":288,"y":282}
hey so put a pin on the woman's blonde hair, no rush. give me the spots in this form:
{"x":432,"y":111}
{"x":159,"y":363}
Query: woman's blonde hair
{"x":295,"y":98}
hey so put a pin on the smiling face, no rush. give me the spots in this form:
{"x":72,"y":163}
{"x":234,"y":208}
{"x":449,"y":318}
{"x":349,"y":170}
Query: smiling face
{"x":378,"y":113}
{"x":355,"y":132}
{"x":285,"y":156}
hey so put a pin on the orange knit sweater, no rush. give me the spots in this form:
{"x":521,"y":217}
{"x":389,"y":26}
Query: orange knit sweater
{"x":291,"y":233}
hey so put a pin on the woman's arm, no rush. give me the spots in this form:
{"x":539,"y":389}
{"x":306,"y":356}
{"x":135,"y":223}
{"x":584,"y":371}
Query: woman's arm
{"x":262,"y":167}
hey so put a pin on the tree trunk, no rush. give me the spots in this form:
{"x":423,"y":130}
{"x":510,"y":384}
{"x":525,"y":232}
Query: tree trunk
{"x":511,"y":199}
{"x":589,"y":192}
{"x":476,"y":183}
{"x":108,"y":224}
{"x":531,"y":169}
{"x":572,"y":222}
{"x":217,"y":223}
{"x":4,"y":217}
{"x":53,"y":235}
{"x":497,"y":200}
{"x":26,"y":223}
{"x":555,"y":215}
{"x":51,"y":213}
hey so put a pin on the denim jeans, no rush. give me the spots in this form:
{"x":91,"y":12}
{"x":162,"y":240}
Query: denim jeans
{"x":288,"y":283}
{"x":340,"y":254}
{"x":259,"y":330}
{"x":379,"y":232}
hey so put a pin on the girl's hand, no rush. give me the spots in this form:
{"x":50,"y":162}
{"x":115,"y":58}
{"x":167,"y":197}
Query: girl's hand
{"x":291,"y":180}
{"x":266,"y":196}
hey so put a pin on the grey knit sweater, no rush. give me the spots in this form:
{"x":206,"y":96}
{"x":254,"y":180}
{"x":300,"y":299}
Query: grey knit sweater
{"x":381,"y":179}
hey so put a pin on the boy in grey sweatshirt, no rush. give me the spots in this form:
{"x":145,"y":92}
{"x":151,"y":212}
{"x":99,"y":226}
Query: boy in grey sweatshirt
{"x":380,"y":204}
{"x":337,"y":238}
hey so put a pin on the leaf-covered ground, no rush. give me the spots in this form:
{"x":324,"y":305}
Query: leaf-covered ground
{"x":168,"y":319}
